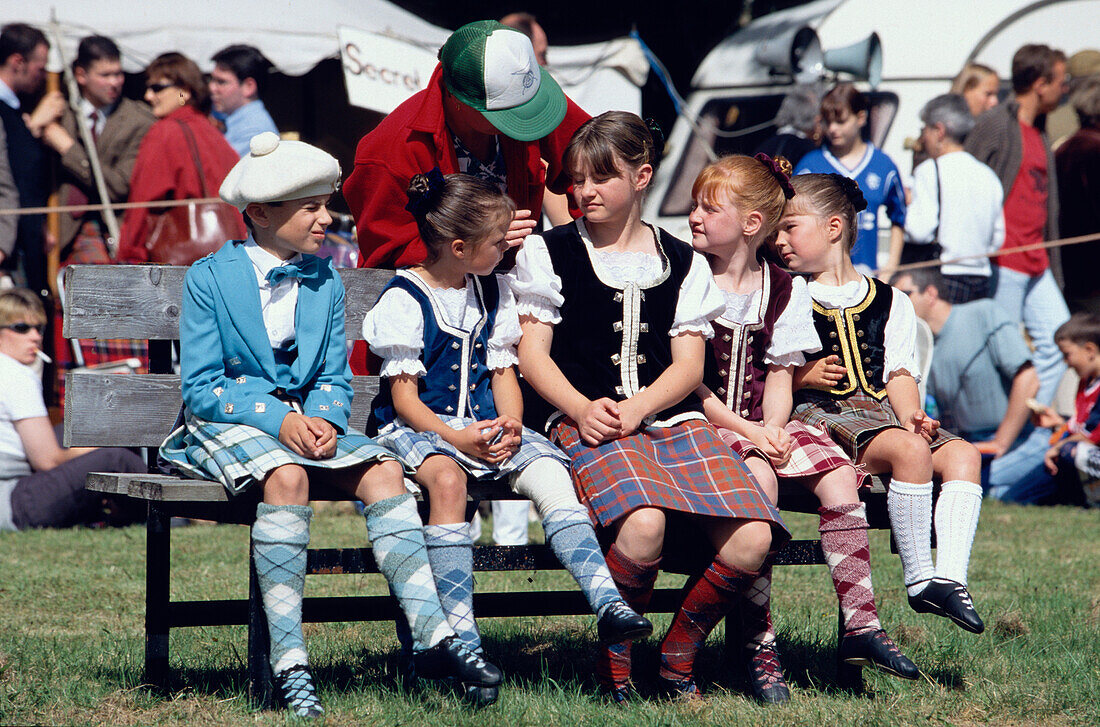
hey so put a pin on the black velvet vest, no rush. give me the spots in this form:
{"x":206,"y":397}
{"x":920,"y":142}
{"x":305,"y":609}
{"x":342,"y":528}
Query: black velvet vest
{"x":612,"y":342}
{"x":858,"y":335}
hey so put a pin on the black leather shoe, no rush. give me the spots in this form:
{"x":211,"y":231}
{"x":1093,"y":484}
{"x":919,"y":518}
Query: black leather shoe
{"x":295,"y":689}
{"x":619,"y":695}
{"x":950,"y":600}
{"x":875,"y":648}
{"x":452,"y":658}
{"x":478,"y":696}
{"x":766,"y":676}
{"x":620,"y":623}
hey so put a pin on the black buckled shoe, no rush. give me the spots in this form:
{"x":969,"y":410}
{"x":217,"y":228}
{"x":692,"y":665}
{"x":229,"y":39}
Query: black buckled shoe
{"x":620,"y":623}
{"x":295,"y":689}
{"x":766,"y":678}
{"x":875,"y":648}
{"x":950,"y":600}
{"x":452,"y":658}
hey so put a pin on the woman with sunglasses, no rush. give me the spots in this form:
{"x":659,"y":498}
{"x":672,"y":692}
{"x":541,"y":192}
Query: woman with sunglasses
{"x":41,"y":482}
{"x":166,"y":165}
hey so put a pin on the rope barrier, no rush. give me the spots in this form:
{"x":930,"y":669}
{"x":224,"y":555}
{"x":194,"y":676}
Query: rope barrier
{"x":1023,"y":248}
{"x":100,"y":207}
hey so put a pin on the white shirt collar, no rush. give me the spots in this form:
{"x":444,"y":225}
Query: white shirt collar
{"x":8,"y":96}
{"x":263,"y":260}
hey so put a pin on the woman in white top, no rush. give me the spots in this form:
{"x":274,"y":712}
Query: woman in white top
{"x":41,"y":482}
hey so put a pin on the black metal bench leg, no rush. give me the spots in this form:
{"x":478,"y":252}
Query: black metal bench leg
{"x":259,"y":644}
{"x":849,"y":676}
{"x":157,"y":579}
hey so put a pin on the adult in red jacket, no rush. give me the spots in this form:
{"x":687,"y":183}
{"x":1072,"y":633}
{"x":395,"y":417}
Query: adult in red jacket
{"x":165,"y":167}
{"x":487,"y":95}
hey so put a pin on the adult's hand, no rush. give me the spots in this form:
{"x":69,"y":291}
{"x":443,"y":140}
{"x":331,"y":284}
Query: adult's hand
{"x":521,"y":226}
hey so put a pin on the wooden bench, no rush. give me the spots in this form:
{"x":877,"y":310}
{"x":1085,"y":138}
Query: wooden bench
{"x":143,"y":302}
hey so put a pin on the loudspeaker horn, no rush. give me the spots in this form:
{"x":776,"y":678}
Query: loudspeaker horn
{"x":796,"y":52}
{"x":863,"y":59}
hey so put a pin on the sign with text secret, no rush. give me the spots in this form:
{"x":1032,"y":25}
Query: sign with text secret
{"x":379,"y":71}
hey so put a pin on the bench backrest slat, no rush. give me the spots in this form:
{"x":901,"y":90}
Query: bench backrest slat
{"x":124,"y":410}
{"x":143,"y":301}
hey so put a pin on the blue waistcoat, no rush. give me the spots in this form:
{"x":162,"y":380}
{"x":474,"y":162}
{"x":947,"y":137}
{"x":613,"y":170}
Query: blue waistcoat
{"x":458,"y":379}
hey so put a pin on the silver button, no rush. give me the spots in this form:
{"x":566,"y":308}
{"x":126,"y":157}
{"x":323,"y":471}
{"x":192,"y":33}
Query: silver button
{"x":744,"y":412}
{"x":748,"y":377}
{"x":617,"y":326}
{"x":451,"y":387}
{"x":722,"y":372}
{"x":727,"y":337}
{"x":455,"y":345}
{"x":454,"y":367}
{"x":641,"y":358}
{"x":449,"y":408}
{"x":721,"y":390}
{"x":477,"y":407}
{"x":616,"y":358}
{"x":645,"y":328}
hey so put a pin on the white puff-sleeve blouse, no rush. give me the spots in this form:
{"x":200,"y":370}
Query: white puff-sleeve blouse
{"x":538,"y":294}
{"x":901,"y":327}
{"x":394,"y":327}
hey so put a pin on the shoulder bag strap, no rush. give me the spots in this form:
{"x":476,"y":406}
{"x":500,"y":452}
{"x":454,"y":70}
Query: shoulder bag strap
{"x":195,"y":156}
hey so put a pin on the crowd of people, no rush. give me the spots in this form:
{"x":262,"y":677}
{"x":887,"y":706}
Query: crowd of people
{"x":646,"y":394}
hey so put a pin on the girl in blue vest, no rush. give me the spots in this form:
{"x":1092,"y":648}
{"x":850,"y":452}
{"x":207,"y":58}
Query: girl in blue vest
{"x":451,"y":407}
{"x":759,"y":339}
{"x":861,"y":388}
{"x":615,"y":316}
{"x":266,"y":394}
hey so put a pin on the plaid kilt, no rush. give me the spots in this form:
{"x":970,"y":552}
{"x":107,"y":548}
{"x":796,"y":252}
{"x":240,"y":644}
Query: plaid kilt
{"x":812,"y":452}
{"x":238,"y":455}
{"x":853,"y":422}
{"x":682,"y":468}
{"x":414,"y":447}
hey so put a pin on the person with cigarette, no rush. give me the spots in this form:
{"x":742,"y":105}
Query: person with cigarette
{"x":41,"y":482}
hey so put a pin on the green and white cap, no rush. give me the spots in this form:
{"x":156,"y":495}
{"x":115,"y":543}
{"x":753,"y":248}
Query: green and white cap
{"x":492,"y":68}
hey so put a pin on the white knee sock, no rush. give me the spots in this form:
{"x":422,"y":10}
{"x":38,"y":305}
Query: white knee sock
{"x":957,"y":513}
{"x":910,"y":507}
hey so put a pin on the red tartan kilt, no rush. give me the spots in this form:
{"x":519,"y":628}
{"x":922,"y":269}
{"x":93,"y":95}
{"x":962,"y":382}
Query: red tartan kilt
{"x":812,"y":452}
{"x":684,"y":468}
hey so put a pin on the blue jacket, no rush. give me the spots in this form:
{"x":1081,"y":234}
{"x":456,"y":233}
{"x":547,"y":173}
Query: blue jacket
{"x":458,"y":381}
{"x":228,"y":370}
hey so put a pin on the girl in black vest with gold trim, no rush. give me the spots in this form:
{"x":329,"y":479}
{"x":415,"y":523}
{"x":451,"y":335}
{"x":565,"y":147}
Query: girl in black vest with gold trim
{"x":862,"y":389}
{"x":765,"y":331}
{"x":615,"y":316}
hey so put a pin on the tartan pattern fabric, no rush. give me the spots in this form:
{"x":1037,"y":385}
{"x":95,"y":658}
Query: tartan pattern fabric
{"x":570,"y":535}
{"x":704,"y":606}
{"x":279,"y":539}
{"x":414,"y":447}
{"x":397,"y":539}
{"x":635,"y":580}
{"x":847,"y":552}
{"x":812,"y":452}
{"x":238,"y":455}
{"x":959,"y":289}
{"x":684,"y":468}
{"x":451,"y":555}
{"x":853,"y":422}
{"x":757,"y":629}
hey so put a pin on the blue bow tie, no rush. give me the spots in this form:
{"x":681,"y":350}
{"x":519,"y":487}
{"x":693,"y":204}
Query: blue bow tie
{"x":279,"y":274}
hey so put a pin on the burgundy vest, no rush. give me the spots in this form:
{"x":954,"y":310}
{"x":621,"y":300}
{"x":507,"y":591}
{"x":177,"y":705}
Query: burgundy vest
{"x":735,"y":369}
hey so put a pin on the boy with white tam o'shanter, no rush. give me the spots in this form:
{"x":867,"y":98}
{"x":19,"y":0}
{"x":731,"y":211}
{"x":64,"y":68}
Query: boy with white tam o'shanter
{"x":267,"y":394}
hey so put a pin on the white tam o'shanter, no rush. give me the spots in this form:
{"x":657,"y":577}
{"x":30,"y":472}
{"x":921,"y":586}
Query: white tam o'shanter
{"x":276,"y":170}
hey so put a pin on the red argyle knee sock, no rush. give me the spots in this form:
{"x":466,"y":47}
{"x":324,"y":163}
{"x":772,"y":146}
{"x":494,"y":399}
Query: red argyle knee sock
{"x":707,"y":602}
{"x":848,"y":553}
{"x":635,"y":580}
{"x":756,"y":611}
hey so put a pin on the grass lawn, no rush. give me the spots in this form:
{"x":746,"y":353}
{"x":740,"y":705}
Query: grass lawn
{"x":72,"y":609}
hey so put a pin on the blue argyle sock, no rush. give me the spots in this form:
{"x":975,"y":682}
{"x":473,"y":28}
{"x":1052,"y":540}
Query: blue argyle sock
{"x":397,"y":538}
{"x":569,"y":532}
{"x":279,"y":539}
{"x":451,"y":553}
